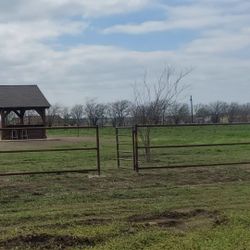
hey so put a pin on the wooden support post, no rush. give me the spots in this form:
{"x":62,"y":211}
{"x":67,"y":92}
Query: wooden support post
{"x":4,"y":114}
{"x":42,"y":114}
{"x":2,"y":123}
{"x":2,"y":119}
{"x":22,"y":113}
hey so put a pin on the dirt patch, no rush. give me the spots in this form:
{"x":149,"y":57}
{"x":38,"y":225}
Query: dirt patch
{"x":45,"y":241}
{"x":53,"y":142}
{"x":85,"y":222}
{"x":181,"y":219}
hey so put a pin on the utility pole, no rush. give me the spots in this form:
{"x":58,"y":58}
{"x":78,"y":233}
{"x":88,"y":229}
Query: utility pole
{"x":192,"y":109}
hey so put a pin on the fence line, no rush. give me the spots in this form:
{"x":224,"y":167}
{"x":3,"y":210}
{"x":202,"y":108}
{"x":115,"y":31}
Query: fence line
{"x":197,"y":165}
{"x":196,"y":145}
{"x":192,"y":125}
{"x":48,"y":172}
{"x":96,"y":148}
{"x":48,"y":128}
{"x":137,"y":166}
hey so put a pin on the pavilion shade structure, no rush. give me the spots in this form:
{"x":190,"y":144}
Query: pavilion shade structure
{"x":19,"y":99}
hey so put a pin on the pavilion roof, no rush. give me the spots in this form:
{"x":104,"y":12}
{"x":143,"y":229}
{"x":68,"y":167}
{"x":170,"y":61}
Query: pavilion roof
{"x":22,"y":96}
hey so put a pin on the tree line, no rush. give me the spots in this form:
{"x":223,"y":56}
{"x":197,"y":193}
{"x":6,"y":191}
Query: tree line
{"x":126,"y":113}
{"x":156,"y":101}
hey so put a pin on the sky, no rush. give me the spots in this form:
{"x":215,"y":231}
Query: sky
{"x":77,"y":50}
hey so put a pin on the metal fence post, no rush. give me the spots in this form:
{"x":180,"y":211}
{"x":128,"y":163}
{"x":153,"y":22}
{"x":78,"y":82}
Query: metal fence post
{"x":133,"y":144}
{"x":117,"y":147}
{"x":136,"y":149}
{"x":98,"y":151}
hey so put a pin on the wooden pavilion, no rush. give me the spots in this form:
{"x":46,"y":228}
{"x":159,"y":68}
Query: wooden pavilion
{"x":19,"y":99}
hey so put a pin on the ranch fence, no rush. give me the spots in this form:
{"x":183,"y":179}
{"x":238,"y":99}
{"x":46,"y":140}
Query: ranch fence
{"x":125,"y":145}
{"x":96,"y":148}
{"x":138,"y":146}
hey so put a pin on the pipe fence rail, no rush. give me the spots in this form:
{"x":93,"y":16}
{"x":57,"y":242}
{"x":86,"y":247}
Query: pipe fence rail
{"x":128,"y":146}
{"x":138,"y":166}
{"x":96,"y":148}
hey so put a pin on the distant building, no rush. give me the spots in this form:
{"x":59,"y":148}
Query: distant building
{"x":16,"y":100}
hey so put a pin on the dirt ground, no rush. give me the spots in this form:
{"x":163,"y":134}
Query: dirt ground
{"x":181,"y":219}
{"x":51,"y":142}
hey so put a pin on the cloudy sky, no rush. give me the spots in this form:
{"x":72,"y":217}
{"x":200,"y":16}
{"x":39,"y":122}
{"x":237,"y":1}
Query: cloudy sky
{"x":79,"y":49}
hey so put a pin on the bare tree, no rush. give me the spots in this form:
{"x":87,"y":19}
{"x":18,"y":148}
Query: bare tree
{"x":95,"y":112}
{"x":245,"y":112}
{"x":233,"y":112}
{"x":202,"y":112}
{"x":217,"y":111}
{"x":152,"y":99}
{"x":77,"y":113}
{"x":101,"y":110}
{"x":66,"y":116}
{"x":179,"y":113}
{"x":118,"y":111}
{"x":53,"y":113}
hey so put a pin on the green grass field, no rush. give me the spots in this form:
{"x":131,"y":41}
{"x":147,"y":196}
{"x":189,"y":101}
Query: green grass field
{"x":196,"y":208}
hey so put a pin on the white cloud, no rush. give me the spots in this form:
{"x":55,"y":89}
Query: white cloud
{"x":156,"y":26}
{"x":69,"y":75}
{"x":44,"y":29}
{"x":30,"y":9}
{"x":193,"y":16}
{"x":99,"y":7}
{"x":108,"y":73}
{"x":220,"y":41}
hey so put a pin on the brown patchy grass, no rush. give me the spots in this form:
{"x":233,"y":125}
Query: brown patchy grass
{"x":181,"y":219}
{"x":45,"y":241}
{"x":51,"y":142}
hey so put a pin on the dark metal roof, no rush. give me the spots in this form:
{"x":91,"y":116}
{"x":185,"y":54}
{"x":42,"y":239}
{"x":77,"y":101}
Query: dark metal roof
{"x":22,"y":96}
